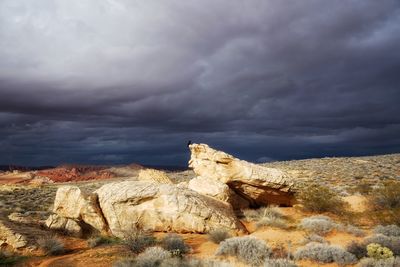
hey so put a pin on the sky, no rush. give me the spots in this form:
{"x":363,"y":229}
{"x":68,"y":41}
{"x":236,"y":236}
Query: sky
{"x":124,"y":81}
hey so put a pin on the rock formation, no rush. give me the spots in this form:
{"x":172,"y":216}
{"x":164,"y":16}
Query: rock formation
{"x":71,"y":203}
{"x":12,"y":238}
{"x":123,"y":206}
{"x":154,"y":175}
{"x":258,"y":185}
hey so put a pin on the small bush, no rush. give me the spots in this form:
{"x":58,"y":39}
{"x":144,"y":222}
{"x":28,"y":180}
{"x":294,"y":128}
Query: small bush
{"x":175,"y":244}
{"x":391,"y":242}
{"x":218,"y":235}
{"x":138,"y":240}
{"x":102,"y":240}
{"x":184,"y":262}
{"x":353,"y":230}
{"x":264,"y":212}
{"x":318,"y":224}
{"x":51,"y":245}
{"x":357,"y":249}
{"x":248,"y":249}
{"x":318,"y":198}
{"x":152,"y":256}
{"x":272,"y":222}
{"x":314,"y":238}
{"x":279,"y":263}
{"x":370,"y":262}
{"x":385,"y":201}
{"x":325,"y":254}
{"x":388,"y":230}
{"x":378,"y":252}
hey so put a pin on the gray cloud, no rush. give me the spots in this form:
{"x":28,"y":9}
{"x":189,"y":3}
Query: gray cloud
{"x":121,"y":81}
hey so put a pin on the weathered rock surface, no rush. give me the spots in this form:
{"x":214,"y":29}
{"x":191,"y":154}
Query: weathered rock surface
{"x":57,"y":222}
{"x":12,"y":238}
{"x":71,"y":203}
{"x":154,"y":176}
{"x":257,"y":184}
{"x":30,"y":217}
{"x":162,"y":207}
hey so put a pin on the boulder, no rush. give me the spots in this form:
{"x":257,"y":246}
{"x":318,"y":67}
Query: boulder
{"x":57,"y":222}
{"x":154,"y":176}
{"x":162,"y":207}
{"x":259,"y":185}
{"x":71,"y":203}
{"x":12,"y":238}
{"x":29,"y":217}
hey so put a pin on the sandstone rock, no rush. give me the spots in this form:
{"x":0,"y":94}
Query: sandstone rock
{"x":257,"y":184}
{"x":71,"y":203}
{"x":154,"y":176}
{"x":210,"y":187}
{"x":8,"y":236}
{"x":162,"y":207}
{"x":30,"y":217}
{"x":57,"y":222}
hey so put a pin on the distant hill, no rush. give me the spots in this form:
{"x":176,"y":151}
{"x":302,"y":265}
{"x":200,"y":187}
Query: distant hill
{"x":22,"y":168}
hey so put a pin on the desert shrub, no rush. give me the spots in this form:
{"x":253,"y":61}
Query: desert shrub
{"x":351,"y":229}
{"x":138,"y":240}
{"x":317,"y":224}
{"x":388,"y":230}
{"x":357,"y":249}
{"x":391,"y":242}
{"x":218,"y":235}
{"x":102,"y":240}
{"x":378,"y":252}
{"x":51,"y":245}
{"x":9,"y":259}
{"x":314,"y":238}
{"x":272,"y":222}
{"x":124,"y":263}
{"x":152,"y":256}
{"x":385,"y":200}
{"x":184,"y":262}
{"x":318,"y":198}
{"x":279,"y":263}
{"x":325,"y":254}
{"x":370,"y":262}
{"x":175,"y":244}
{"x":248,"y":249}
{"x":263,"y":212}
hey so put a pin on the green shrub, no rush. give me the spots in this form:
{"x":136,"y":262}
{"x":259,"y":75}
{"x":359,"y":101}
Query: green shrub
{"x":175,"y":244}
{"x":391,"y":242}
{"x":378,"y":252}
{"x":51,"y":245}
{"x":325,"y":254}
{"x":318,"y":198}
{"x":218,"y":235}
{"x":248,"y":249}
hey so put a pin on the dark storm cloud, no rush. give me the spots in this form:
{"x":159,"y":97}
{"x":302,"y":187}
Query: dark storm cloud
{"x":122,"y":81}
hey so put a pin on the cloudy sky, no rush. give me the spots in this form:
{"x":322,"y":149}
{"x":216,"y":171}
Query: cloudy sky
{"x":121,"y":81}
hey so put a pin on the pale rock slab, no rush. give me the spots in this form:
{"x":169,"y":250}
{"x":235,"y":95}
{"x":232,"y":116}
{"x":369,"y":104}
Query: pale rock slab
{"x":257,"y":184}
{"x":162,"y":207}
